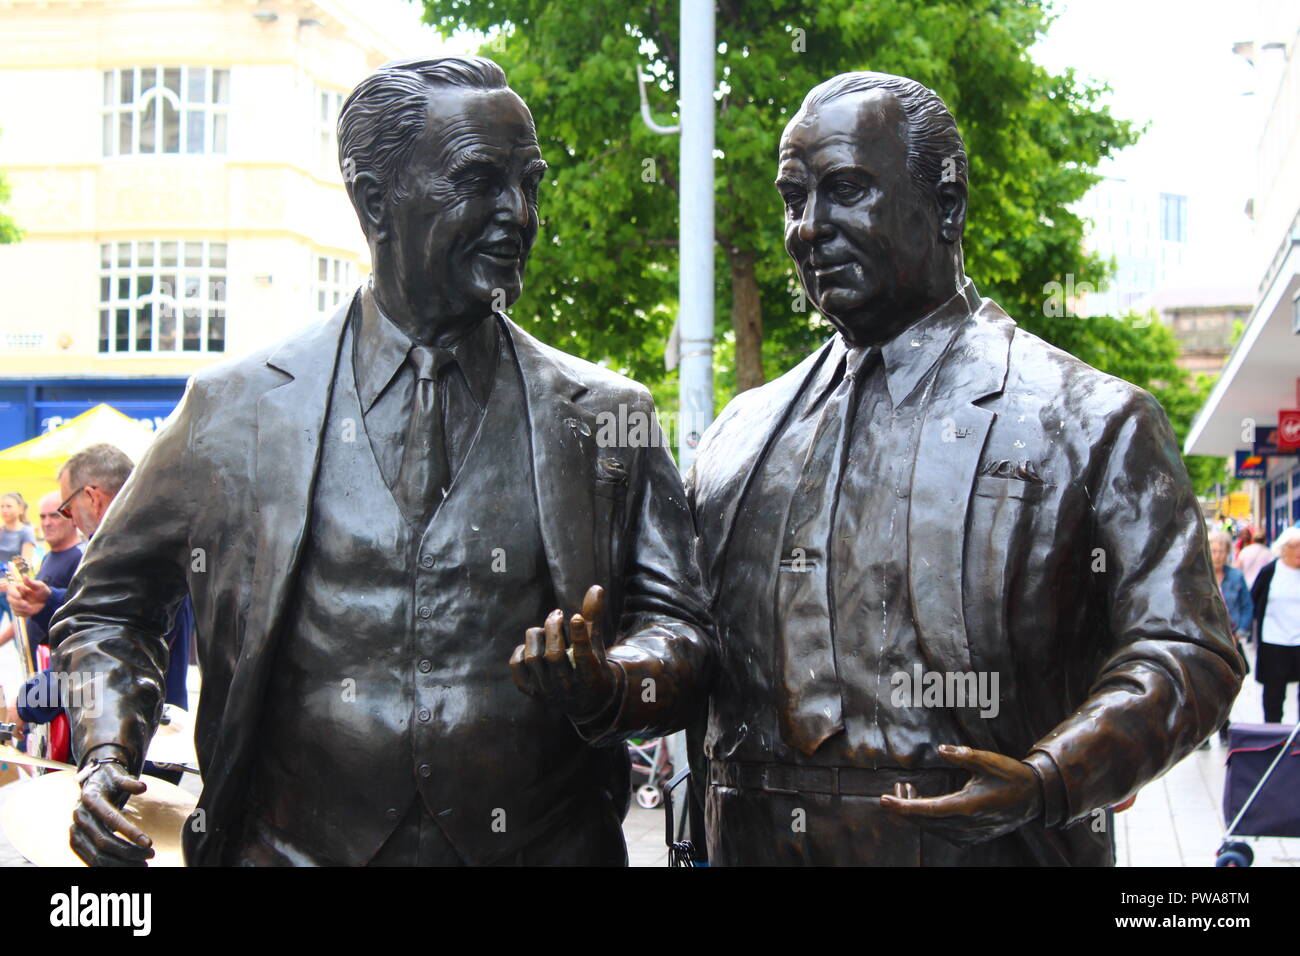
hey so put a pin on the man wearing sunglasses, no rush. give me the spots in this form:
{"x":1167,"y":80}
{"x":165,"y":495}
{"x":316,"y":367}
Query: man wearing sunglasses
{"x":88,"y":483}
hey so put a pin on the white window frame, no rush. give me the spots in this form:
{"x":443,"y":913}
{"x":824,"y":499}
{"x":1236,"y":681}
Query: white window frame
{"x":326,"y":105}
{"x":124,"y":297}
{"x":212,"y":112}
{"x":340,"y":281}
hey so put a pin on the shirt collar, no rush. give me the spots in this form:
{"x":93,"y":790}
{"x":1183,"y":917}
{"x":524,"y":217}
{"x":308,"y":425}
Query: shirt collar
{"x":910,"y":354}
{"x":381,"y":350}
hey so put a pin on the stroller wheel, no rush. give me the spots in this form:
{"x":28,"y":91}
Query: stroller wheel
{"x":1235,"y":853}
{"x":648,"y":796}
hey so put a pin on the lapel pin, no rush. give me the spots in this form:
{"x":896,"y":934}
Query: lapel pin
{"x":579,"y":426}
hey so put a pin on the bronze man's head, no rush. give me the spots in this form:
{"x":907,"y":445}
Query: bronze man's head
{"x":873,"y":175}
{"x":442,"y":164}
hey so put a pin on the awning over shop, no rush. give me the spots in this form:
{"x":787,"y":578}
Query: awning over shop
{"x":1260,"y":377}
{"x":31,"y":468}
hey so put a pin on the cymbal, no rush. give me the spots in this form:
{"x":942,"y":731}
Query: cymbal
{"x":10,"y":754}
{"x":37,"y":814}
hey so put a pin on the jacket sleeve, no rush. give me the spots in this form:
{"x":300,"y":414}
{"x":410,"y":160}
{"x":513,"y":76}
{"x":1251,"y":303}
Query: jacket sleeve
{"x":1170,"y":672}
{"x":1242,"y":611}
{"x":122,"y":599}
{"x":665,"y":651}
{"x":34,"y":699}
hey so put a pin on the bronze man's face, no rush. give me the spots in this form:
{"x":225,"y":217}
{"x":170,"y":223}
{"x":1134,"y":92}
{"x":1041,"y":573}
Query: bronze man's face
{"x":463,"y":232}
{"x":863,"y":239}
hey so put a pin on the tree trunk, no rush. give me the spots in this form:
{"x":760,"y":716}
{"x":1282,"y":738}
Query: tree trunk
{"x":746,"y":320}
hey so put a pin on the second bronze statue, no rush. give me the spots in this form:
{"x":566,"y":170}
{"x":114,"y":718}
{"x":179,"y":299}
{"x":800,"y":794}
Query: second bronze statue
{"x":960,"y":579}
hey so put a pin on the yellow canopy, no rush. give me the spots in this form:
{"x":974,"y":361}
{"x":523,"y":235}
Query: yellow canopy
{"x":32,"y":468}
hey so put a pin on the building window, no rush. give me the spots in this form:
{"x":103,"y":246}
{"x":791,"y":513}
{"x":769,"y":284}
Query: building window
{"x":1173,"y":217}
{"x":162,"y":296}
{"x":165,"y":109}
{"x":332,"y":282}
{"x":328,"y":106}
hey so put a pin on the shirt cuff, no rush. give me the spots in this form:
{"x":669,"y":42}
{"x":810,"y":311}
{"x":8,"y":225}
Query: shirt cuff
{"x":595,"y":728}
{"x":102,"y":750}
{"x":1055,"y":805}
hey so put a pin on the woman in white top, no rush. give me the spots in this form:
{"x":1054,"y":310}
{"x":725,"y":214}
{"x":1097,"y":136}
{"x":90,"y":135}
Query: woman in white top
{"x":1276,"y":594}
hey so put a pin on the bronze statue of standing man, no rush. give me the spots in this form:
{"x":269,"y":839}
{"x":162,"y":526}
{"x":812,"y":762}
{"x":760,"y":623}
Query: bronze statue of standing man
{"x":370,"y":518}
{"x":959,"y":577}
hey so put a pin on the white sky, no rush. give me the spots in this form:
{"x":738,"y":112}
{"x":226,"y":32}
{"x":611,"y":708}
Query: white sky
{"x":1170,"y":62}
{"x":403,"y":18}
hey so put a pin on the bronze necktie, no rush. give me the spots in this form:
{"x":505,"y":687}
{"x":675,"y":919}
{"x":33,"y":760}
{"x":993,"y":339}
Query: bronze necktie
{"x":424,"y":473}
{"x":811,"y":709}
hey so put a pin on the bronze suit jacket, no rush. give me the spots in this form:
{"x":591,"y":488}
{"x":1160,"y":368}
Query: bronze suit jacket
{"x":1055,"y":539}
{"x":218,"y":508}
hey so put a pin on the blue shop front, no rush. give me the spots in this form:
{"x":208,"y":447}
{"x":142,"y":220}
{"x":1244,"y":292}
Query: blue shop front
{"x":32,"y":406}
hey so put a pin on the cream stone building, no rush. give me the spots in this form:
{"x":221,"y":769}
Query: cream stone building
{"x":173,"y":167}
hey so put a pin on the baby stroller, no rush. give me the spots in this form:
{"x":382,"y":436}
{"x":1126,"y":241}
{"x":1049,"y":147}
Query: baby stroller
{"x":650,"y":763}
{"x":1259,"y":791}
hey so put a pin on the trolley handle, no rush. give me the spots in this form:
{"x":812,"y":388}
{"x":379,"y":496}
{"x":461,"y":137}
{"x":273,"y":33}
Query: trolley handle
{"x":1263,"y":779}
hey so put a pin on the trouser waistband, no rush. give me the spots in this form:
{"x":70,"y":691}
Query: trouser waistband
{"x":837,"y":781}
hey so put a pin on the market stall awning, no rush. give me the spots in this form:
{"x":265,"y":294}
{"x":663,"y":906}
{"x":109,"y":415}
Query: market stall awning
{"x":32,"y":467}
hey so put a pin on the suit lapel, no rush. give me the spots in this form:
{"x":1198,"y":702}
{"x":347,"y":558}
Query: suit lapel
{"x":731,"y":454}
{"x":563,"y":452}
{"x":290,"y":420}
{"x":948,"y":454}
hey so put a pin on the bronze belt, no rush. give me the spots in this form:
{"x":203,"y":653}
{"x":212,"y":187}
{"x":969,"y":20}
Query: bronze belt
{"x":836,"y":781}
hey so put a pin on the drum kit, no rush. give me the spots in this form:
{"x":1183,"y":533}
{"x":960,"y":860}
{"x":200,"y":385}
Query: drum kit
{"x":36,"y":812}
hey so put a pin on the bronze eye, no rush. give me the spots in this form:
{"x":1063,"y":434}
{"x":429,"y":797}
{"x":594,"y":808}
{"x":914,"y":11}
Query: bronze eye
{"x":847,"y":192}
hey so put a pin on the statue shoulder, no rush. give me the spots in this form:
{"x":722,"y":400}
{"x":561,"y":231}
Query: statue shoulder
{"x":732,"y":444}
{"x":1092,"y":407}
{"x":605,"y":386}
{"x":763,"y":401}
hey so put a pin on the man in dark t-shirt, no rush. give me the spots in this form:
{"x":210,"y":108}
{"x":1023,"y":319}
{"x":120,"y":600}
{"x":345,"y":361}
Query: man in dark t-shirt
{"x":60,"y":564}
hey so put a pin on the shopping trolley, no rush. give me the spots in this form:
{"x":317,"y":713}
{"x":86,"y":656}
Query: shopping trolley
{"x":1259,"y":793}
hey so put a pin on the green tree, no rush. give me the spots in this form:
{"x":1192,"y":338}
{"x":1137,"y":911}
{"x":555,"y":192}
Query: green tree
{"x":9,"y":231}
{"x":603,"y":279}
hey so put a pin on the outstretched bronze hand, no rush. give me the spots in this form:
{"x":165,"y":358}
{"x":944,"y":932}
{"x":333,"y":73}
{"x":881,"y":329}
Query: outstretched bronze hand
{"x":1002,"y":795}
{"x":570,"y":671}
